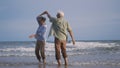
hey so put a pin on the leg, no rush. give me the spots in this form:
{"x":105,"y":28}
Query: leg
{"x":42,"y":50}
{"x":57,"y":51}
{"x":63,"y":50}
{"x":37,"y":48}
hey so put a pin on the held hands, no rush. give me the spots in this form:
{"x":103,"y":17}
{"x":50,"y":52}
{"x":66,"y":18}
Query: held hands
{"x":45,"y":12}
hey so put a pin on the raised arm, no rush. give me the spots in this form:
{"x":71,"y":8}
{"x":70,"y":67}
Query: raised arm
{"x":46,"y":12}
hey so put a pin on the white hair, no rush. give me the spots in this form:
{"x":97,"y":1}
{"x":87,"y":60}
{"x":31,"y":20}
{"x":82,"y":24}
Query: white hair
{"x":61,"y":13}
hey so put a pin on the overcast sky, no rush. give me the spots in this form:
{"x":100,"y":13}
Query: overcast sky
{"x":89,"y":19}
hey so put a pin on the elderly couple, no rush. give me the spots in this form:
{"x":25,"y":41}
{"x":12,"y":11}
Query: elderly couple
{"x":59,"y":30}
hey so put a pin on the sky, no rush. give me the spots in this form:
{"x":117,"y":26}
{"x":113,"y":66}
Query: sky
{"x":89,"y":19}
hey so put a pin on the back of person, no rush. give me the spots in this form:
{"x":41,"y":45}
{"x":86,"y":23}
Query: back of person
{"x":60,"y":26}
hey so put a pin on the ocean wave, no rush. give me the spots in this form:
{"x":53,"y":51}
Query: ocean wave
{"x":21,"y":49}
{"x":81,"y":48}
{"x":87,"y":45}
{"x":17,"y":54}
{"x":50,"y":46}
{"x":69,"y":53}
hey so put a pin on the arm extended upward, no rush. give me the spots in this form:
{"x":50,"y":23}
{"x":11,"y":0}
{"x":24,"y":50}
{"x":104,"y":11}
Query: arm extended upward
{"x":46,"y":12}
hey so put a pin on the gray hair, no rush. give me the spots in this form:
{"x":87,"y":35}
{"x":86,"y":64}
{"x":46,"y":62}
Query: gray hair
{"x":61,"y":13}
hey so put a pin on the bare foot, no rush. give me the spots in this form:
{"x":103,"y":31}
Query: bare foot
{"x":59,"y":62}
{"x":66,"y":61}
{"x":44,"y":61}
{"x":39,"y":60}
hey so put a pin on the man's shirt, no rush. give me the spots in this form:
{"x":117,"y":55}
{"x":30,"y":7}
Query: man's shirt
{"x":59,"y":28}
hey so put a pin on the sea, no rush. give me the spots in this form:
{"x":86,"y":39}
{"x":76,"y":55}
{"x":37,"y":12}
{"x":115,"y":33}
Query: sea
{"x":84,"y":54}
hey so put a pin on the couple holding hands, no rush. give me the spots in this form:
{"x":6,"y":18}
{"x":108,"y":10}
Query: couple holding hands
{"x":59,"y":29}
